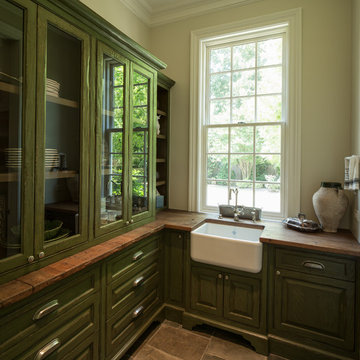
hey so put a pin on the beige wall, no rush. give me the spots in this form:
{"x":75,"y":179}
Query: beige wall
{"x":326,"y":91}
{"x":121,"y":17}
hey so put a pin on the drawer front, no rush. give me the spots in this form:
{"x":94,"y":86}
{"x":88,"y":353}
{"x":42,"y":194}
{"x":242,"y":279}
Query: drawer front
{"x":62,"y":336}
{"x":18,"y":323}
{"x":122,"y":294}
{"x":316,"y":264}
{"x":120,"y":328}
{"x":132,"y":257}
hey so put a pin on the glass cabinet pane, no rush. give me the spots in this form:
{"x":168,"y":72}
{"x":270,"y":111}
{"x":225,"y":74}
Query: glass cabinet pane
{"x":12,"y":157}
{"x":112,"y":130}
{"x":140,"y":143}
{"x":62,"y":134}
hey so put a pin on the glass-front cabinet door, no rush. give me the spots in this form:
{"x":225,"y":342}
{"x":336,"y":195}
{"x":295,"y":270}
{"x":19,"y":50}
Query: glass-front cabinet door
{"x":17,"y":122}
{"x":112,"y":140}
{"x":62,"y":133}
{"x":142,"y":152}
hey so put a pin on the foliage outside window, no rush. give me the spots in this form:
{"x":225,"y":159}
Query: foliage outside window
{"x":244,"y":123}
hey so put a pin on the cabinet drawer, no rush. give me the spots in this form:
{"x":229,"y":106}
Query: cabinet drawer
{"x":17,"y":322}
{"x":314,"y":263}
{"x":132,"y":257}
{"x":120,"y":328}
{"x":68,"y":331}
{"x":121,"y":294}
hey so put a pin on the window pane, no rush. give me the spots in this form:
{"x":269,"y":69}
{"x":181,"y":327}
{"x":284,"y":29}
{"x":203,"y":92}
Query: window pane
{"x":140,"y":117}
{"x":217,"y":167}
{"x":118,"y":117}
{"x":219,"y":111}
{"x":244,"y":56}
{"x":243,"y":110}
{"x":268,"y":167}
{"x":243,"y":83}
{"x":118,"y":75}
{"x":220,"y":60}
{"x":116,"y":164}
{"x":140,"y":95}
{"x":241,"y":167}
{"x":269,"y":52}
{"x":268,"y":139}
{"x":267,"y":197}
{"x":139,"y":142}
{"x":242,"y":139}
{"x":116,"y":142}
{"x":216,"y":193}
{"x":218,"y":140}
{"x":269,"y":108}
{"x":269,"y":80}
{"x":220,"y":85}
{"x":118,"y":97}
{"x":245,"y":195}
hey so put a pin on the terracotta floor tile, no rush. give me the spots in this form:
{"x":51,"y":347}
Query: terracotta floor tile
{"x":179,"y":343}
{"x":148,"y":352}
{"x":228,"y":350}
{"x":171,"y":323}
{"x":211,"y":357}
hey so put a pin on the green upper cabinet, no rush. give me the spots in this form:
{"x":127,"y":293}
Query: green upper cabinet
{"x":111,"y":140}
{"x":17,"y":123}
{"x":124,"y":142}
{"x":62,"y":133}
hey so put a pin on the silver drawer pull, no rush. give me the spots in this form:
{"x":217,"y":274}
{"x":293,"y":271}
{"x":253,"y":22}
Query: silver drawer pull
{"x":313,"y":265}
{"x":138,"y":255}
{"x":138,"y":312}
{"x":46,"y":309}
{"x":48,"y":349}
{"x":138,"y":281}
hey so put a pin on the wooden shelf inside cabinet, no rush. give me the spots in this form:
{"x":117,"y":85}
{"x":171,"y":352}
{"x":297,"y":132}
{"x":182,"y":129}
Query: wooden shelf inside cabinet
{"x":159,"y":183}
{"x":14,"y":176}
{"x":160,"y":160}
{"x":62,"y":101}
{"x":10,"y":88}
{"x":160,"y":112}
{"x":163,"y":137}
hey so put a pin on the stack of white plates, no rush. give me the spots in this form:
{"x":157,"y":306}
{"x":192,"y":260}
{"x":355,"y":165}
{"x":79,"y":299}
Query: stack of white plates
{"x":52,"y":87}
{"x":51,"y":158}
{"x":14,"y":158}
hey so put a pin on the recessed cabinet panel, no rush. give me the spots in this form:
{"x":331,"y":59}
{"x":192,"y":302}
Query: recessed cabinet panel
{"x":16,"y":117}
{"x":140,"y":143}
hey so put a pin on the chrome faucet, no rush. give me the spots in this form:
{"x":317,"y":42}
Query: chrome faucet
{"x":238,"y":210}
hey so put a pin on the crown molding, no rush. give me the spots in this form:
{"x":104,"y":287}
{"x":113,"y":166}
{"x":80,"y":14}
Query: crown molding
{"x":173,"y":13}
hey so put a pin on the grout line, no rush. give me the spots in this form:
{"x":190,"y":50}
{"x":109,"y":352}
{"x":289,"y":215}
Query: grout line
{"x":207,"y":347}
{"x":163,"y":352}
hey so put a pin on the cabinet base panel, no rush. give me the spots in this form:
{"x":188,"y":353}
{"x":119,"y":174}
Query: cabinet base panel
{"x":258,"y":341}
{"x":295,"y":351}
{"x":173,"y":313}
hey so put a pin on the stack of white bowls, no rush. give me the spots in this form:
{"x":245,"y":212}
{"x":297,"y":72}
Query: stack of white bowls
{"x":52,"y":159}
{"x":52,"y":87}
{"x":13,"y":157}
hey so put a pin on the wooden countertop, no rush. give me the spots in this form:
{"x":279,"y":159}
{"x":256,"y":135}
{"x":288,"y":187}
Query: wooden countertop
{"x":275,"y":233}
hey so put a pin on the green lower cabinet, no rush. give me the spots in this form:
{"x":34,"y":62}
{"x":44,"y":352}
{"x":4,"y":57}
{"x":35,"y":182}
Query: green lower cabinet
{"x":242,"y":299}
{"x":207,"y":291}
{"x":174,"y":257}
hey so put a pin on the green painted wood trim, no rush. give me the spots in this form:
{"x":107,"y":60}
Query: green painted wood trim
{"x":164,"y":81}
{"x":44,"y":18}
{"x":28,"y":140}
{"x":103,"y":49}
{"x":89,"y":18}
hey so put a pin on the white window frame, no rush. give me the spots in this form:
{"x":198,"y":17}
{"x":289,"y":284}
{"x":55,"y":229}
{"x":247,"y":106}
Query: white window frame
{"x":290,"y":22}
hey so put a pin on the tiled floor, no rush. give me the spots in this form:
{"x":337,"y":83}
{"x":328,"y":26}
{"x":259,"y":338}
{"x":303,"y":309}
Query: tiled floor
{"x":169,"y":341}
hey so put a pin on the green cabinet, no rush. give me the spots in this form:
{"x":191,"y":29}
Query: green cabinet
{"x":174,"y":267}
{"x":313,"y":301}
{"x":225,"y":294}
{"x":125,"y":142}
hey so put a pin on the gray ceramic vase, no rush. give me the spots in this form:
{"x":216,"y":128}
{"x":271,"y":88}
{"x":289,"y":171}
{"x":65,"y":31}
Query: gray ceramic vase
{"x":330,"y":204}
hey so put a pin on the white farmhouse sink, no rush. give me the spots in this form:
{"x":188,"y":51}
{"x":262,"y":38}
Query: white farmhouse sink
{"x":230,"y":246}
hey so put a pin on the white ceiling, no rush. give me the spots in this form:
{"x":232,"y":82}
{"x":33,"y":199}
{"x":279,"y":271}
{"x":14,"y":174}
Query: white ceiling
{"x":158,"y":12}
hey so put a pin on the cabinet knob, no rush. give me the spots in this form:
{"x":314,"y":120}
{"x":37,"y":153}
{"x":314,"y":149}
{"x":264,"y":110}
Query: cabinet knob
{"x":220,"y":276}
{"x":138,"y":312}
{"x":41,"y":255}
{"x":226,"y":277}
{"x":31,"y":258}
{"x":138,"y":255}
{"x":179,"y":236}
{"x":127,"y":223}
{"x":278,"y":272}
{"x":138,"y":281}
{"x":131,"y":221}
